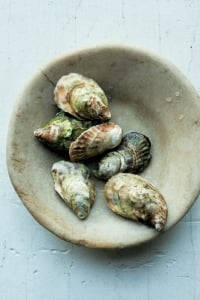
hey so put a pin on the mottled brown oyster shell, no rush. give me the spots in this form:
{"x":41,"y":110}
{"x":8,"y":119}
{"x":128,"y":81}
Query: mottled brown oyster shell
{"x":95,"y":141}
{"x":133,"y":197}
{"x":61,"y":130}
{"x":82,"y":97}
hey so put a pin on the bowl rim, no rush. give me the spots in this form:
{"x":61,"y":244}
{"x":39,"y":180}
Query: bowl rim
{"x":68,"y":55}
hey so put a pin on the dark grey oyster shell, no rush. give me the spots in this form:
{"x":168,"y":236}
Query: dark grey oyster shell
{"x":132,"y":155}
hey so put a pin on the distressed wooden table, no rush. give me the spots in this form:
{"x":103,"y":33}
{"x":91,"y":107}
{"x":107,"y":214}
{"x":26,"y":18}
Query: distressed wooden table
{"x":35,"y":264}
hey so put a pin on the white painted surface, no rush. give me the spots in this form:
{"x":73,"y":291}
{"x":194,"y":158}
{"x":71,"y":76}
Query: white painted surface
{"x":34,"y":264}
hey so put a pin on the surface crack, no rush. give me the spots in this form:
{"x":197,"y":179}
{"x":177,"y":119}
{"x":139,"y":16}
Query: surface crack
{"x":47,"y":78}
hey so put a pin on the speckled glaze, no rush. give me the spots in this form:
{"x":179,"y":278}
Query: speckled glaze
{"x":139,"y":85}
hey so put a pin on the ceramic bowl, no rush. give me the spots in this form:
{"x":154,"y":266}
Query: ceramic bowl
{"x":147,"y":94}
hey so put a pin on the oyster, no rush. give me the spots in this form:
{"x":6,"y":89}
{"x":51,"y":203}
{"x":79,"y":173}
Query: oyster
{"x":95,"y":140}
{"x":61,"y":130}
{"x":135,"y":198}
{"x":132,"y":155}
{"x":73,"y":185}
{"x":82,"y":97}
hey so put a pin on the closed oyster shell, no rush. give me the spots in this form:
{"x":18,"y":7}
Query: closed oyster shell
{"x":61,"y":130}
{"x":112,"y":163}
{"x":133,"y":197}
{"x":140,"y":146}
{"x":132,"y":155}
{"x":73,"y":185}
{"x":96,"y":140}
{"x":82,"y":97}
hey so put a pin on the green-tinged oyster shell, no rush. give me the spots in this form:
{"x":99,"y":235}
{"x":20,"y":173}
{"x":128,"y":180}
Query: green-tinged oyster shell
{"x":82,"y":97}
{"x":132,"y":155}
{"x":95,"y":141}
{"x":133,"y":197}
{"x":61,"y":130}
{"x":73,"y":185}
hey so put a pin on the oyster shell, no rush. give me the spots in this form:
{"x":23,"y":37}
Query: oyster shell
{"x":133,"y":197}
{"x":61,"y":130}
{"x":73,"y":185}
{"x":82,"y":97}
{"x":132,"y":155}
{"x":95,"y":140}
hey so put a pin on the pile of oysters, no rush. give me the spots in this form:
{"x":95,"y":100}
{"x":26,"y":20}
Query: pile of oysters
{"x":82,"y":130}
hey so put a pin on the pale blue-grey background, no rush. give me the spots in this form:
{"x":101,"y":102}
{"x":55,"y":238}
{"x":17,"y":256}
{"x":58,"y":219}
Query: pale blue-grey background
{"x":34,"y":264}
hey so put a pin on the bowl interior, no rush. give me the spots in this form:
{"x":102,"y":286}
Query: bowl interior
{"x":146,"y":94}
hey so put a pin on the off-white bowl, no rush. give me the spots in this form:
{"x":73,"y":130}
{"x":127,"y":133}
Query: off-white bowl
{"x":147,"y":94}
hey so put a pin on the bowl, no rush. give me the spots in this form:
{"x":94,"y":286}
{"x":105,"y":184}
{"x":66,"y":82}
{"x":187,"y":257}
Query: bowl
{"x":147,"y":94}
